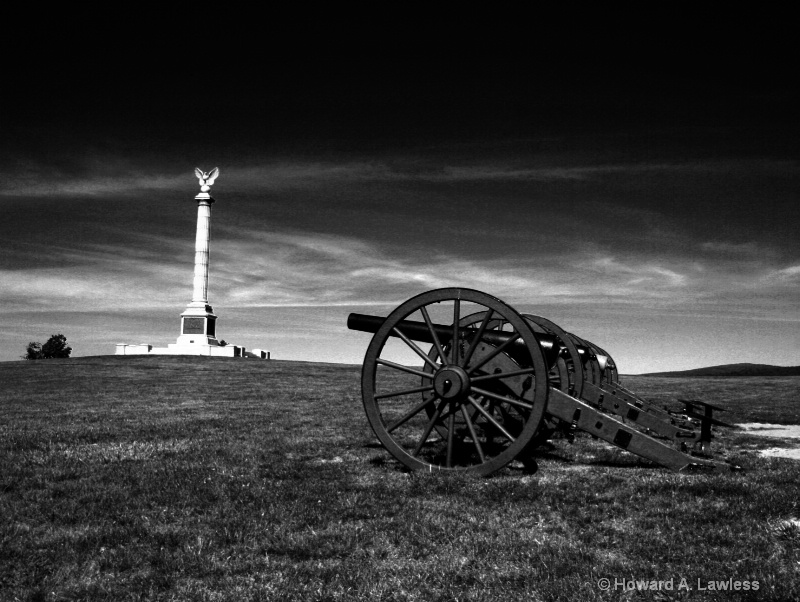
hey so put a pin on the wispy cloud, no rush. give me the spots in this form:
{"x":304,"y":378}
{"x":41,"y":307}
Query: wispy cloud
{"x":104,"y":175}
{"x":251,"y":268}
{"x":740,"y":251}
{"x":790,"y":274}
{"x":639,"y":273}
{"x":88,"y":176}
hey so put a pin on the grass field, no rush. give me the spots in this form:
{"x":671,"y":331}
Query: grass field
{"x":212,"y":479}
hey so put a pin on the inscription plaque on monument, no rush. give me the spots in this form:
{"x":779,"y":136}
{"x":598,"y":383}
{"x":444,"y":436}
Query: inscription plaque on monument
{"x":193,"y":326}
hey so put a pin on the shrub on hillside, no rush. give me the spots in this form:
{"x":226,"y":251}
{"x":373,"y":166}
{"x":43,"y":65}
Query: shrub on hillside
{"x":33,"y":352}
{"x":55,"y":347}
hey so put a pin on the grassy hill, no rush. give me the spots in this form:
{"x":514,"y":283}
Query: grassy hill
{"x":171,"y":478}
{"x":735,"y":370}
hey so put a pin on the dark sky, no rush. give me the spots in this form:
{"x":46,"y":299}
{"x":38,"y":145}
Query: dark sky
{"x":650,"y":208}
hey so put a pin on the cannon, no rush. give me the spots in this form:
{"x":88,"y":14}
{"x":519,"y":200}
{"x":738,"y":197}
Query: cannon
{"x":597,"y":383}
{"x":494,"y":384}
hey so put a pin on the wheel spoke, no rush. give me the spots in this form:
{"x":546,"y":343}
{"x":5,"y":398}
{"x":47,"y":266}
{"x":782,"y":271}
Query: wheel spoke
{"x":502,"y":375}
{"x":434,"y":336}
{"x":509,"y":411}
{"x":410,"y":414}
{"x":416,"y":349}
{"x":456,"y":326}
{"x":405,"y":392}
{"x":404,"y":368}
{"x":478,"y":336}
{"x":494,"y":352}
{"x":451,"y":427}
{"x":473,"y":434}
{"x":429,"y":427}
{"x":446,"y":413}
{"x":491,"y":419}
{"x":502,"y":399}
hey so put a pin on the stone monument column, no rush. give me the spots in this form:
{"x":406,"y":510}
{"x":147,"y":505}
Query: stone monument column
{"x":201,"y":246}
{"x":198,"y":322}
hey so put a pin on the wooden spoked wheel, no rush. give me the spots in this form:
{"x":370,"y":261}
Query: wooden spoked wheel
{"x":591,"y":367}
{"x":573,"y":383}
{"x":570,"y":370}
{"x":604,"y":371}
{"x":611,"y":365}
{"x":483,"y":389}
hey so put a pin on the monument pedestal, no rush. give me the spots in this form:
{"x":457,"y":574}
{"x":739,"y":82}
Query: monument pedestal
{"x":198,"y":325}
{"x":200,"y":349}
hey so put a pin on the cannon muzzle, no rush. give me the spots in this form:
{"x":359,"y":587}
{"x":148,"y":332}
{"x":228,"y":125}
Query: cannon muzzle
{"x":418,"y":331}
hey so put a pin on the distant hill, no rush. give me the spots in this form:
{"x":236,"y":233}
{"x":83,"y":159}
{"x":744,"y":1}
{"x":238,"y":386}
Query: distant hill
{"x":735,"y":370}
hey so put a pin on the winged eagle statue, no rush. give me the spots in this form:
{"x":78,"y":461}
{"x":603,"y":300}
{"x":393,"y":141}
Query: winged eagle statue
{"x":206,"y":179}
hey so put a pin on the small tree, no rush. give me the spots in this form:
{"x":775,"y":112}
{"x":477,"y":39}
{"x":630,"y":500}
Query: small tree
{"x":33,"y":352}
{"x":55,"y":347}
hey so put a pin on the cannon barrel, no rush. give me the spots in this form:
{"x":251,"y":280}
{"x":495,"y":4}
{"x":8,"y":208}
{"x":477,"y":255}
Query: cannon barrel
{"x":418,"y":331}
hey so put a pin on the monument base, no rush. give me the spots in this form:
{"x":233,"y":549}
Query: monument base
{"x":214,"y":349}
{"x":198,"y":337}
{"x":198,"y":325}
{"x":192,"y":349}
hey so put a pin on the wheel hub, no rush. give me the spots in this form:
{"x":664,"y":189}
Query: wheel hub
{"x":452,"y":383}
